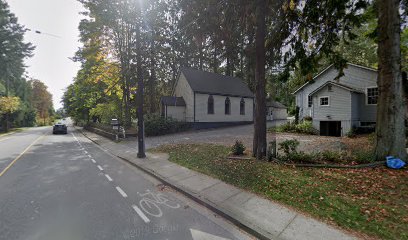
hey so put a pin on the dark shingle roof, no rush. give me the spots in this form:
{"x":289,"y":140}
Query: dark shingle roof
{"x":275,"y":104}
{"x":213,"y":83}
{"x":173,"y":101}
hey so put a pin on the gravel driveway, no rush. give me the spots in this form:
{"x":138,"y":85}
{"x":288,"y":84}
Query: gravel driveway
{"x":228,"y":135}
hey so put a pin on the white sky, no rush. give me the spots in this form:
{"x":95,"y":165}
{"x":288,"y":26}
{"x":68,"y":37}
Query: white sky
{"x":50,"y":62}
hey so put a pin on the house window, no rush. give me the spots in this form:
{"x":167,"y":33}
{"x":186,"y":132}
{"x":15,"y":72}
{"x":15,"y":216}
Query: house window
{"x":324,"y":101}
{"x":372,"y":96}
{"x":210,"y":105}
{"x":242,"y":107}
{"x":227,"y":106}
{"x":309,"y":101}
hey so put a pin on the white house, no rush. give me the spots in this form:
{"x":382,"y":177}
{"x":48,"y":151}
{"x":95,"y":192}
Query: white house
{"x":336,"y":106}
{"x":209,"y":100}
{"x":276,"y":111}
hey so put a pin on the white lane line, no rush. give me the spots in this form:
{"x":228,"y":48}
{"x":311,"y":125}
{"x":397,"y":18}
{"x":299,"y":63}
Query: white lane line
{"x":85,"y":152}
{"x":141,"y":214}
{"x":108,"y":177}
{"x":89,"y":156}
{"x":100,"y":168}
{"x":121,"y":192}
{"x":93,"y":160}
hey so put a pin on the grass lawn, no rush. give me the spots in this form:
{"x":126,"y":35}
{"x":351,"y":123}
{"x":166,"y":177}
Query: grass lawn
{"x":13,"y":130}
{"x":370,"y":201}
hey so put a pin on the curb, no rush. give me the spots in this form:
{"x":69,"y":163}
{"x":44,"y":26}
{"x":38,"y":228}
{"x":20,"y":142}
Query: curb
{"x":200,"y":201}
{"x":8,"y":134}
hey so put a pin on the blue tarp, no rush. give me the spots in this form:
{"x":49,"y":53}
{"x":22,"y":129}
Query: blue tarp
{"x":395,"y":163}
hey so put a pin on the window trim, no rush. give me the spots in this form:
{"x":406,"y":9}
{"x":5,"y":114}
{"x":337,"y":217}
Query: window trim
{"x":328,"y":101}
{"x":366,"y":96}
{"x":227,"y":100}
{"x":311,"y":101}
{"x":242,"y":107}
{"x":210,"y":97}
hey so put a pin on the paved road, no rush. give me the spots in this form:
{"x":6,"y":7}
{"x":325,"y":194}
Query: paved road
{"x":65,"y":187}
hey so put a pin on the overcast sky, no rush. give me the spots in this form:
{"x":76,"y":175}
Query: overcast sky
{"x":50,"y":62}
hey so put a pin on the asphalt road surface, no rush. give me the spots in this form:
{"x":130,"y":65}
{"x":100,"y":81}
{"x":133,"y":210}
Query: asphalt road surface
{"x":64,"y":187}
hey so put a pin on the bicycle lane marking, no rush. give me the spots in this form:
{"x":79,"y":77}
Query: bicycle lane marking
{"x":141,"y":214}
{"x":155,"y":200}
{"x":121,"y":192}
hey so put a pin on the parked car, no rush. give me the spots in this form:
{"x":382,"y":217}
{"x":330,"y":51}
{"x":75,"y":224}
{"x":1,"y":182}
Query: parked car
{"x":60,"y":128}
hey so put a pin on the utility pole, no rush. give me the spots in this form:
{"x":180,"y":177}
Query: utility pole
{"x":140,"y":89}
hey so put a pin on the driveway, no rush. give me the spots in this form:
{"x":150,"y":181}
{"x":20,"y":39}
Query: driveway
{"x":228,"y":135}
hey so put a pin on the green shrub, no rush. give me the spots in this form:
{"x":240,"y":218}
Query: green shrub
{"x":363,"y":156}
{"x":330,"y":156}
{"x":156,"y":125}
{"x":238,"y":148}
{"x":305,"y":127}
{"x":287,"y":127}
{"x":308,"y":118}
{"x":351,"y":133}
{"x":301,"y":157}
{"x":289,"y":146}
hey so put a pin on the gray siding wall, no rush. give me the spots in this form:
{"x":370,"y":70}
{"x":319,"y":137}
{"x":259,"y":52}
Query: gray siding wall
{"x":339,"y":108}
{"x":176,"y":112}
{"x":355,"y":106}
{"x":184,"y":90}
{"x":355,"y":77}
{"x":368,"y":113}
{"x":219,"y":109}
{"x":276,"y":113}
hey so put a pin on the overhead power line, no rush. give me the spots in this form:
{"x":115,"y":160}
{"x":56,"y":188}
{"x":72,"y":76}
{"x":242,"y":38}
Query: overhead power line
{"x":43,"y":33}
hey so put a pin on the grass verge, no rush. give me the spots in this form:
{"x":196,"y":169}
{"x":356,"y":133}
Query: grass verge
{"x":370,"y":201}
{"x":11,"y":131}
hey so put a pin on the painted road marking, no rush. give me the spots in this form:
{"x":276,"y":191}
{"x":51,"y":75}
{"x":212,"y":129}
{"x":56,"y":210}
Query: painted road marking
{"x":121,"y":192}
{"x":93,"y":160}
{"x":21,"y":154}
{"x":100,"y":168}
{"x":141,"y":214}
{"x":3,"y":139}
{"x":89,"y":156}
{"x":108,"y":177}
{"x":85,"y":152}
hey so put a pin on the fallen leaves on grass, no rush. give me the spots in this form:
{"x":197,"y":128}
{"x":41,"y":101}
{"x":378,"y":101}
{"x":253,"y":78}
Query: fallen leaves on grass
{"x":373,"y":201}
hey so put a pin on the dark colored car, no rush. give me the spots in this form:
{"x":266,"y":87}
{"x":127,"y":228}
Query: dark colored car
{"x":59,"y":128}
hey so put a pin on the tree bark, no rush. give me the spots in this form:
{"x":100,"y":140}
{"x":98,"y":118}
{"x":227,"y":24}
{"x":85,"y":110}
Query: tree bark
{"x":390,"y":130}
{"x":259,"y":144}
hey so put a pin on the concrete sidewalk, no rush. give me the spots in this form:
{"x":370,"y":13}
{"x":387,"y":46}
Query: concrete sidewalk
{"x":260,"y":217}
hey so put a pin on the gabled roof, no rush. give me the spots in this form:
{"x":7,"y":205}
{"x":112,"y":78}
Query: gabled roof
{"x":275,"y":104}
{"x":338,"y":85}
{"x":326,"y":69}
{"x":173,"y":101}
{"x":213,"y":83}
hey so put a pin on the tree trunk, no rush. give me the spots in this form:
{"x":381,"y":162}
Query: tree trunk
{"x":6,"y":122}
{"x":390,"y":130}
{"x":259,"y":144}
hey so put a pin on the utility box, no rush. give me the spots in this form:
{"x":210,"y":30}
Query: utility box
{"x":115,"y":124}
